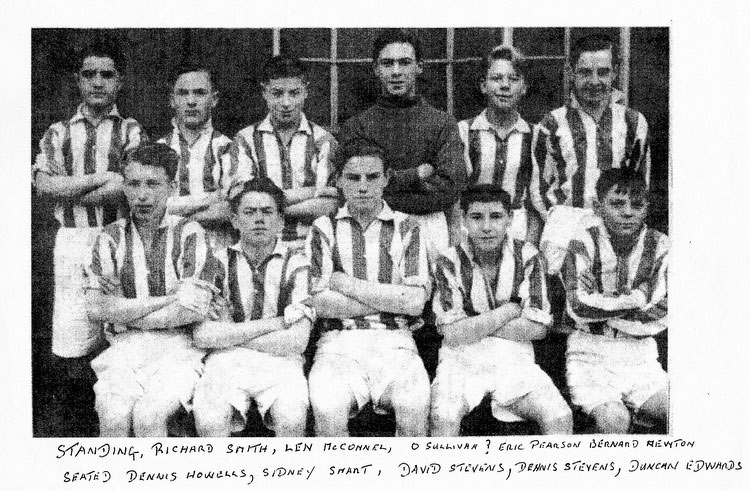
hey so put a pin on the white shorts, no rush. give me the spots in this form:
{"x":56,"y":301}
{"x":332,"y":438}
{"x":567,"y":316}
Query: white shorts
{"x":369,"y":367}
{"x":236,"y":376}
{"x":160,"y":364}
{"x":600,"y":369}
{"x":73,"y":334}
{"x":502,"y":368}
{"x":434,"y":229}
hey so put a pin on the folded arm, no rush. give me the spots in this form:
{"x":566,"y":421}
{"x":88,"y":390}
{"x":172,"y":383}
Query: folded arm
{"x":110,"y":308}
{"x":69,"y":187}
{"x":384,"y":297}
{"x":331,"y":304}
{"x":469,"y":330}
{"x":223,"y":334}
{"x":285,"y":342}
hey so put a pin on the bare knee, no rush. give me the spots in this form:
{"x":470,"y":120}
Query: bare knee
{"x":611,"y":417}
{"x":115,"y":416}
{"x":150,"y":417}
{"x":557,"y":420}
{"x":446,"y":416}
{"x":214,"y":420}
{"x":289,"y":417}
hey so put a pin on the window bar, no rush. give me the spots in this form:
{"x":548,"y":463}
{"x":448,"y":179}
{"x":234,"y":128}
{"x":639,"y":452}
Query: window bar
{"x":508,"y":36}
{"x":625,"y":62}
{"x":449,"y":41}
{"x":566,"y":81}
{"x":276,"y":46}
{"x":334,"y":81}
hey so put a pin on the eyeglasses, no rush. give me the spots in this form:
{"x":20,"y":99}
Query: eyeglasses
{"x":106,"y":74}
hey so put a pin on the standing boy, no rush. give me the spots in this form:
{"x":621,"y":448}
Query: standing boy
{"x":289,"y":149}
{"x":78,"y":170}
{"x":145,"y":286}
{"x":491,"y":302}
{"x":258,"y":338}
{"x":370,"y":281}
{"x":420,"y":143}
{"x":497,"y":142}
{"x":593,"y":132}
{"x":615,"y":279}
{"x":203,"y":173}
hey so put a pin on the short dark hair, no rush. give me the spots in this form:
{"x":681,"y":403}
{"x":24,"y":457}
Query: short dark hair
{"x":509,"y":53}
{"x":593,"y":42}
{"x":391,"y":36}
{"x":359,"y":147}
{"x":102,"y":48}
{"x":484,"y":193}
{"x":156,"y":155}
{"x":190,"y":66}
{"x":283,"y":66}
{"x":623,"y":180}
{"x":258,"y":185}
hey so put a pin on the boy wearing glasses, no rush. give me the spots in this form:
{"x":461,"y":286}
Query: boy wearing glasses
{"x":497,"y":142}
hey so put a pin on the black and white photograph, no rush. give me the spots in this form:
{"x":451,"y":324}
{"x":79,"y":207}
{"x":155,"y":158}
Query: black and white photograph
{"x":444,"y":223}
{"x":497,"y":240}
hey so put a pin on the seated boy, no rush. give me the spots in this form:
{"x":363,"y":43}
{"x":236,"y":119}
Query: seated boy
{"x":491,"y":302}
{"x":615,"y":277}
{"x":370,"y":281}
{"x":145,"y":285}
{"x":259,"y":336}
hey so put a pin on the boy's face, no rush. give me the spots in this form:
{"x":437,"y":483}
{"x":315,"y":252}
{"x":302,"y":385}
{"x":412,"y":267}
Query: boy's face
{"x":257,"y":218}
{"x":362,"y":182}
{"x":147,"y":189}
{"x":503,"y":86}
{"x":99,"y":82}
{"x":193,"y":99}
{"x":486,"y":224}
{"x":593,"y":76}
{"x":397,"y":69}
{"x":285,"y":98}
{"x":622,"y":213}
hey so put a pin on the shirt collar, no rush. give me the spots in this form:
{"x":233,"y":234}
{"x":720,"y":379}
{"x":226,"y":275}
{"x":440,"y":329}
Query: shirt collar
{"x":469,"y":248}
{"x":267,"y":126}
{"x":482,"y":123}
{"x":616,"y":97}
{"x":207,"y":128}
{"x":606,"y":234}
{"x":166,"y":220}
{"x":78,"y":116}
{"x":280,"y":249}
{"x":386,"y":213}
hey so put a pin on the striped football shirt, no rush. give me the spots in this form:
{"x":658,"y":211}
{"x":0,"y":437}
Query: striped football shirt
{"x":464,"y":291}
{"x":571,"y":149}
{"x":204,"y":165}
{"x":391,"y":250}
{"x":75,"y":148}
{"x":491,"y":159}
{"x":259,"y":151}
{"x":616,"y":277}
{"x":265,"y":291}
{"x":178,"y":251}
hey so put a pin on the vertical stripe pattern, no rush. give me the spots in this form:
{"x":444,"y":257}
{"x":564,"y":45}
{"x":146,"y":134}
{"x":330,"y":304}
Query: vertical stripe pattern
{"x":519,"y":280}
{"x":578,"y":148}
